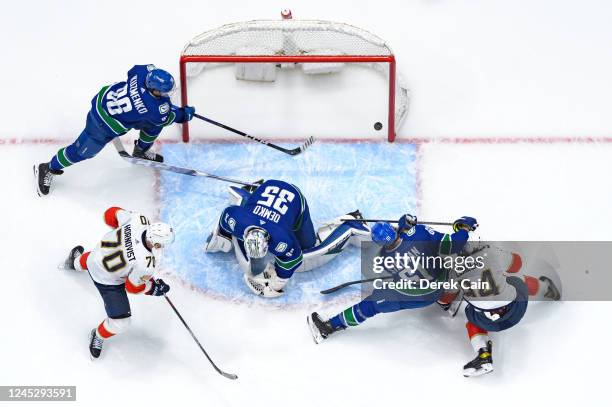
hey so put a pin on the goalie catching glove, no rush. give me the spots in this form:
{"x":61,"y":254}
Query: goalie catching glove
{"x":267,"y":284}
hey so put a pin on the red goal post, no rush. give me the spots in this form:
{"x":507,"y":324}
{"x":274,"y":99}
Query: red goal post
{"x":295,"y":42}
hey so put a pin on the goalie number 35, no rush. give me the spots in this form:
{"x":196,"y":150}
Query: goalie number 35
{"x":276,"y":198}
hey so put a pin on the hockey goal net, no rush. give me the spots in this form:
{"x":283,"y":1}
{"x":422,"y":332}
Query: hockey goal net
{"x":259,"y":48}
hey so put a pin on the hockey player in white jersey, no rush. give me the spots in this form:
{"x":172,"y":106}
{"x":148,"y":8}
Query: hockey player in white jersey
{"x":504,"y":302}
{"x":123,"y":262}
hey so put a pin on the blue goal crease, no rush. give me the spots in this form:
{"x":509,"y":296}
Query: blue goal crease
{"x":336,"y":178}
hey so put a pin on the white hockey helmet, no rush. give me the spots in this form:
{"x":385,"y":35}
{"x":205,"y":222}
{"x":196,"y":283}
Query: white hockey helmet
{"x":160,"y":234}
{"x":255,"y":242}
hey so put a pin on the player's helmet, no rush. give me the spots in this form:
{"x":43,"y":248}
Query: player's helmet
{"x":383,"y":233}
{"x":160,"y":233}
{"x":256,"y":242}
{"x":160,"y":81}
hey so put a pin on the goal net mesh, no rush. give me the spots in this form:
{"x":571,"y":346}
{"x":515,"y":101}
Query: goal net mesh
{"x":297,"y":38}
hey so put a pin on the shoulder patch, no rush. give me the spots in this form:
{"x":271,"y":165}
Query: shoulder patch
{"x":281,"y":247}
{"x":164,"y":108}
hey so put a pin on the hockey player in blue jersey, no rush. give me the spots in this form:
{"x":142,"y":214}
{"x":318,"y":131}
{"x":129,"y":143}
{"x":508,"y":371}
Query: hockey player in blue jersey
{"x":275,"y":218}
{"x":141,"y":102}
{"x":415,"y":240}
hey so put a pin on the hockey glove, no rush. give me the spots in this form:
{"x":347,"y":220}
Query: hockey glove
{"x":267,"y":284}
{"x":188,"y":111}
{"x":406,"y":222}
{"x":158,"y":287}
{"x":465,"y":222}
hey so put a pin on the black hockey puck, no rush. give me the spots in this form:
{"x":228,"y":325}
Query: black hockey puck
{"x":377,"y":126}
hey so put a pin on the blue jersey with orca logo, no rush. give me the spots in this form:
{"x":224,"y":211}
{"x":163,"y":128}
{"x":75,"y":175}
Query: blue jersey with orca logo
{"x":277,"y":207}
{"x":129,"y":105}
{"x":419,"y":243}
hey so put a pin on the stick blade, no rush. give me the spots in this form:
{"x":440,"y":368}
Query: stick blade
{"x":309,"y":141}
{"x":230,"y":376}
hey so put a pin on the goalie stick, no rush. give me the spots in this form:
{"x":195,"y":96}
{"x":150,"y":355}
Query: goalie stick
{"x":172,"y":168}
{"x":230,"y":376}
{"x":293,"y":151}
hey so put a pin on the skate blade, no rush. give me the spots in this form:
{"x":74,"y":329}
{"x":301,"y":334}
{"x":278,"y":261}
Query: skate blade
{"x":316,"y":336}
{"x":486,"y":368}
{"x":36,"y":181}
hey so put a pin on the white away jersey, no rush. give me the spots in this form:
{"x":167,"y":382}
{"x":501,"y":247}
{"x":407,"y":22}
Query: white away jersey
{"x":122,"y":254}
{"x":498,"y":264}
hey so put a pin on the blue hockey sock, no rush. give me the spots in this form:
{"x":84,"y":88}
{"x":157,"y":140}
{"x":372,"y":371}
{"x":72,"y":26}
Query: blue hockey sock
{"x":144,"y":146}
{"x":351,"y":316}
{"x":145,"y":141}
{"x":62,"y":160}
{"x":336,"y":322}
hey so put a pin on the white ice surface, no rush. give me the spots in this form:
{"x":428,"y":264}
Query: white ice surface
{"x":476,"y":68}
{"x":416,"y":354}
{"x":331,"y":176}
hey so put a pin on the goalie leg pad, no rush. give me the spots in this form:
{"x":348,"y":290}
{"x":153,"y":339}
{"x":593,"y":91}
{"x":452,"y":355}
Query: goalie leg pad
{"x":218,"y":242}
{"x":360,"y":231}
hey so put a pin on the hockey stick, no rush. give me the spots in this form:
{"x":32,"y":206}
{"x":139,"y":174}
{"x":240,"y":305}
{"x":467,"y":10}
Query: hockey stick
{"x":221,"y":372}
{"x":341,"y":286}
{"x":397,"y":221}
{"x":294,"y":151}
{"x":172,"y":168}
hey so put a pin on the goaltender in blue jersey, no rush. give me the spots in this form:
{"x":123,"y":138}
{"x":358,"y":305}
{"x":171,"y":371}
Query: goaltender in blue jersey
{"x":274,"y":218}
{"x":141,"y":102}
